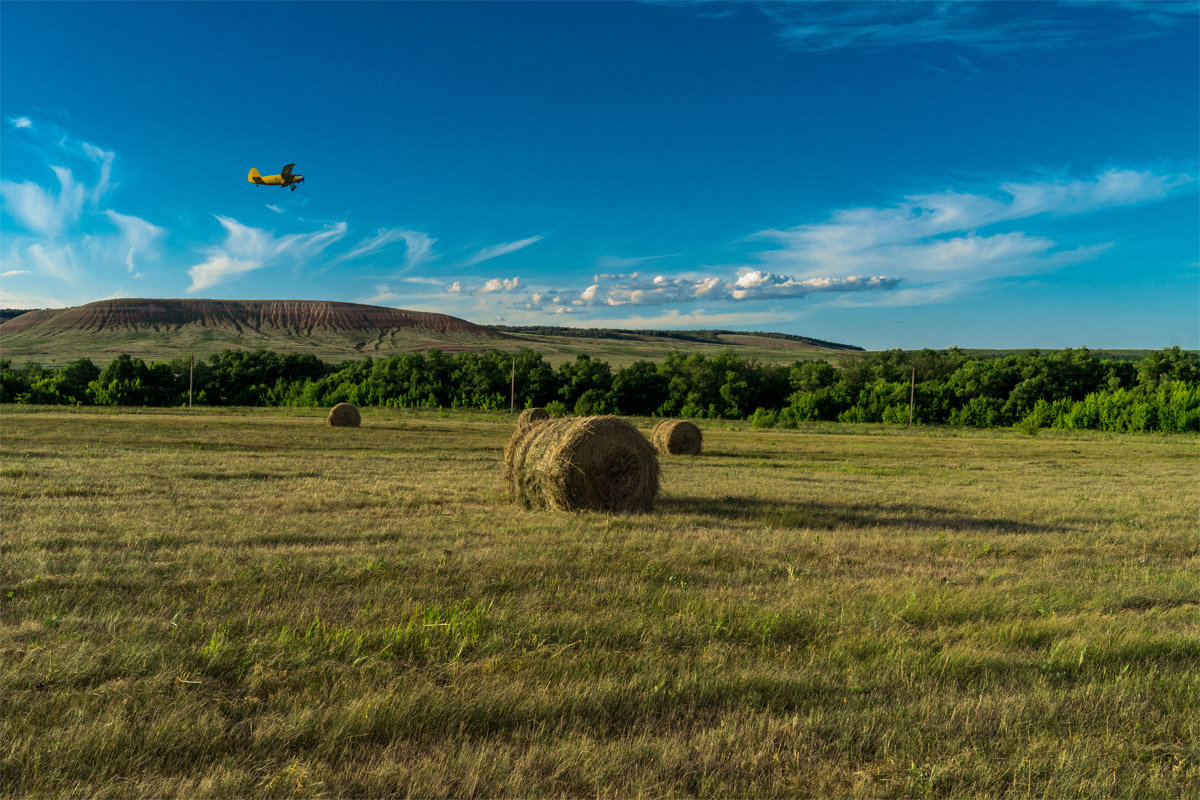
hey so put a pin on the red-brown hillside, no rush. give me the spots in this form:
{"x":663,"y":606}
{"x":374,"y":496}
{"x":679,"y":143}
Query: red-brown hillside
{"x":295,"y":317}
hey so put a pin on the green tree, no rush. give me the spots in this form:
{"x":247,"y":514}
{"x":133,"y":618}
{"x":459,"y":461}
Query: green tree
{"x":639,"y":389}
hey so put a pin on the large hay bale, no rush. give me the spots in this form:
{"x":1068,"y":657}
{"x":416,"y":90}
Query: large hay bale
{"x":344,"y":415}
{"x":592,"y":463}
{"x":677,"y":437}
{"x":526,"y":420}
{"x":532,"y":416}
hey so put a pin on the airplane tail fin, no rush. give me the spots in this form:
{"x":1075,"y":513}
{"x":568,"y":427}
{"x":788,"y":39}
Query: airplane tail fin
{"x":254,"y":174}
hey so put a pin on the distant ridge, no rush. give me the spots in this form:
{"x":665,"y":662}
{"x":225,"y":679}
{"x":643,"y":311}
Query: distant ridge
{"x":293,"y":317}
{"x":707,"y":336}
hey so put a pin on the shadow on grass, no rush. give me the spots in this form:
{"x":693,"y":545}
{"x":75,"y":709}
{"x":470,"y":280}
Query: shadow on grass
{"x":832,"y":516}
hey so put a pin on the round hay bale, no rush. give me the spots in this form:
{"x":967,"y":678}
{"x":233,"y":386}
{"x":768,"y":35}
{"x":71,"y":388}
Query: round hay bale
{"x":344,"y":415}
{"x":583,"y":463}
{"x":677,"y":437}
{"x":532,"y":416}
{"x":525,"y":420}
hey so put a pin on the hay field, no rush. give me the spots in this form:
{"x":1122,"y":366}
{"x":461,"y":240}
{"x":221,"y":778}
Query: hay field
{"x":253,"y":603}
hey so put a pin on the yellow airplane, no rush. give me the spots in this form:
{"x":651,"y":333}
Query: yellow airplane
{"x":284,"y":178}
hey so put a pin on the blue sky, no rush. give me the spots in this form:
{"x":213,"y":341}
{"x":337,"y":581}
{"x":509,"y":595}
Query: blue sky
{"x":910,"y":175}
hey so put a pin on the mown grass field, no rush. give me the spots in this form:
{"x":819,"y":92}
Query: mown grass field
{"x":235,"y":603}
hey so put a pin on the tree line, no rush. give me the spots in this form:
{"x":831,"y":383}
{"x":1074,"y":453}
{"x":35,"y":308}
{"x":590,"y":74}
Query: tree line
{"x":1070,"y":389}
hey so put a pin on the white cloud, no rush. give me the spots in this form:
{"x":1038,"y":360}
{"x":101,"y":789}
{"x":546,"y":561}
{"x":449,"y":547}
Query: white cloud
{"x":217,"y":268}
{"x":495,"y":251}
{"x":419,"y":248}
{"x":943,"y":236}
{"x":54,"y":261}
{"x":138,"y":237}
{"x":105,"y":160}
{"x":455,"y":287}
{"x":247,"y":249}
{"x":824,"y":27}
{"x":438,"y":282}
{"x":928,"y":247}
{"x":41,"y":211}
{"x":28,"y":299}
{"x":638,"y":290}
{"x":20,"y":122}
{"x":47,"y":213}
{"x":373,"y":244}
{"x":759,"y":285}
{"x":499,"y":285}
{"x":14,"y":272}
{"x":1112,"y":188}
{"x":383,"y":294}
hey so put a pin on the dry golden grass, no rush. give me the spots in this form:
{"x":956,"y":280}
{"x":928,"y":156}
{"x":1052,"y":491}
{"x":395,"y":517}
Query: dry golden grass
{"x":199,"y":604}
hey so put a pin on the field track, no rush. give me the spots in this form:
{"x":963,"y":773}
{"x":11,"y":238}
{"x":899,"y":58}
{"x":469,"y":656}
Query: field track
{"x":235,"y":602}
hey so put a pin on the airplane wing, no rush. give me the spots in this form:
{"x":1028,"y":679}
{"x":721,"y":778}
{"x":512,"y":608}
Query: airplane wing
{"x":287,"y":170}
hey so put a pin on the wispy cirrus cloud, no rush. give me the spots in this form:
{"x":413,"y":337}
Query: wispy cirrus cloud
{"x":925,"y":248}
{"x":497,"y":250}
{"x":54,"y":261}
{"x":64,"y":233}
{"x":418,"y":248}
{"x":28,"y":299}
{"x":42,"y":211}
{"x":247,"y":248}
{"x":940,"y":236}
{"x":374,"y":244}
{"x":138,"y":237}
{"x":981,"y":26}
{"x":104,"y":161}
{"x":384,"y":293}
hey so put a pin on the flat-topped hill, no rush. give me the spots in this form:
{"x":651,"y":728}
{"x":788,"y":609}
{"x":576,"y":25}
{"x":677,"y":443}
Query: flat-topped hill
{"x":297,"y":317}
{"x":161,"y":330}
{"x":165,"y":329}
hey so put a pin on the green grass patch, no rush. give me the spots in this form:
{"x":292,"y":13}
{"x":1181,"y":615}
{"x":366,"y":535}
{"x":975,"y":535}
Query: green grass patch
{"x":233,"y":602}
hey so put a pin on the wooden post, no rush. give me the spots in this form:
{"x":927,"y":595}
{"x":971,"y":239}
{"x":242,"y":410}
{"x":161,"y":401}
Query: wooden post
{"x":512,"y":391}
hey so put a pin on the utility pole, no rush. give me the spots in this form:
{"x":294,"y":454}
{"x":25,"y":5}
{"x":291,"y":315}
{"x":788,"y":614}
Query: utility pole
{"x":912,"y":391}
{"x":512,"y":391}
{"x":191,"y":375}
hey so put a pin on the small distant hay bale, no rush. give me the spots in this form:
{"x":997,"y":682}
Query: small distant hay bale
{"x":677,"y":437}
{"x":582,"y":463}
{"x":344,"y":415}
{"x":532,"y":416}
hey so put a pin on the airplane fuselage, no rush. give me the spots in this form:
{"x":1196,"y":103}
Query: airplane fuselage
{"x":287,"y":179}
